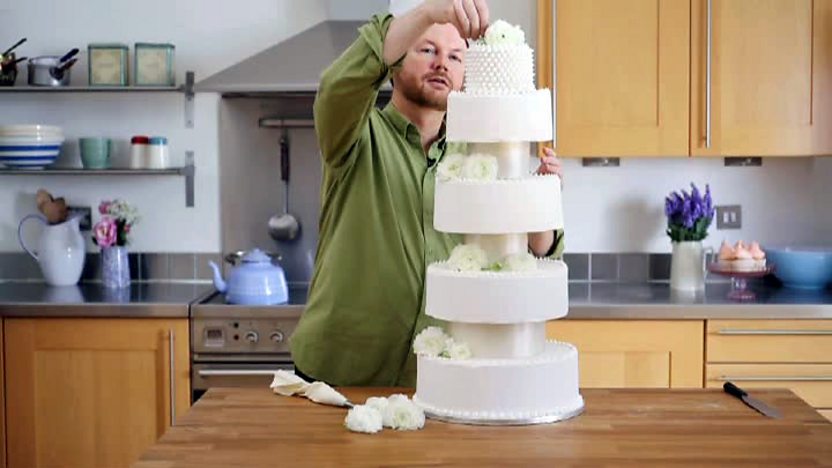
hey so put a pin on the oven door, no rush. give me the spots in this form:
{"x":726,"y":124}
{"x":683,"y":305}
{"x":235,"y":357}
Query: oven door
{"x":234,"y":374}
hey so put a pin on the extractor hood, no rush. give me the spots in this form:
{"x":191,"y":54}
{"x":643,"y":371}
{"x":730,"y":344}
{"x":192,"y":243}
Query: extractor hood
{"x":292,"y":66}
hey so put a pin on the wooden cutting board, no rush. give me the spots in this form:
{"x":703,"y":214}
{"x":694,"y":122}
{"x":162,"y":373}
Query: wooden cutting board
{"x":699,"y":427}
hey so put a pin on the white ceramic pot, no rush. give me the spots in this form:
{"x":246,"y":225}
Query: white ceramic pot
{"x":60,"y":253}
{"x":687,"y":266}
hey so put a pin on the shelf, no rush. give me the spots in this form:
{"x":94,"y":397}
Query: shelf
{"x":91,"y":89}
{"x":177,"y":171}
{"x":187,"y":89}
{"x":188,"y":171}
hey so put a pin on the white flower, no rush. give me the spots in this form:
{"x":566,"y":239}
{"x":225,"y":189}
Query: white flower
{"x":480,"y":167}
{"x":363,"y":419}
{"x":503,"y":33}
{"x":468,"y":257}
{"x":377,"y":403}
{"x":458,"y":351}
{"x":523,"y":261}
{"x":431,"y":341}
{"x":451,"y":167}
{"x":403,"y":415}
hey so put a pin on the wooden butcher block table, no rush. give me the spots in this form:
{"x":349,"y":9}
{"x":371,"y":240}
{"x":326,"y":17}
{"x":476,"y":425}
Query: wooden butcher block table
{"x":255,"y":427}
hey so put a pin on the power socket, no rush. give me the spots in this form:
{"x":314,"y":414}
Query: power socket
{"x":729,"y":217}
{"x":86,"y":216}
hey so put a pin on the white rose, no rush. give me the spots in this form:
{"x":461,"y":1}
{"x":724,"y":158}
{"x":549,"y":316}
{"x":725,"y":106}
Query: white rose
{"x":468,"y":257}
{"x":431,"y":341}
{"x":503,"y":33}
{"x":480,"y":167}
{"x":403,"y":415}
{"x":521,"y":262}
{"x":451,"y":167}
{"x":377,"y":403}
{"x":458,"y":351}
{"x":363,"y":419}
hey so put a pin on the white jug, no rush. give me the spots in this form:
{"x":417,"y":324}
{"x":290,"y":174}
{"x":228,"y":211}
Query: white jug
{"x":60,"y":251}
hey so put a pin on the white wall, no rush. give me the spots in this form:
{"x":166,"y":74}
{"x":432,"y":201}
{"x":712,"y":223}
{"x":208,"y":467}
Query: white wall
{"x":209,"y":36}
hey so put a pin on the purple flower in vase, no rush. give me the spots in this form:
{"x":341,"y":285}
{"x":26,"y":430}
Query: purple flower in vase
{"x":689,"y":215}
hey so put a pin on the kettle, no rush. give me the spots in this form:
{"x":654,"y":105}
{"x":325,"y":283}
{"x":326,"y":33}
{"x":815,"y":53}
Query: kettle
{"x":256,"y":281}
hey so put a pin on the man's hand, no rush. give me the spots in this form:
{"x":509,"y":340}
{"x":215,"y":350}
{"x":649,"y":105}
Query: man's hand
{"x":550,"y":164}
{"x":470,"y":17}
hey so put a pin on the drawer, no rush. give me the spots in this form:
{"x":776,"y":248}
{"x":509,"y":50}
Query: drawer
{"x":826,"y":414}
{"x":811,"y":382}
{"x":742,"y":341}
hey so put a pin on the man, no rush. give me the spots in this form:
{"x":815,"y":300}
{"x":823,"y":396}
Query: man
{"x":366,"y":299}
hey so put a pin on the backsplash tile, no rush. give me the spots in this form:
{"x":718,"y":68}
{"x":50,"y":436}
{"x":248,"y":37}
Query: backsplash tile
{"x":659,"y":268}
{"x":578,"y":266}
{"x":143,"y":266}
{"x":203,"y":270}
{"x":633,"y":267}
{"x":604,"y":266}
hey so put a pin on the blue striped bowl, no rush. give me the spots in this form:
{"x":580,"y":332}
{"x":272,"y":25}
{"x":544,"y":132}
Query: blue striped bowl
{"x":29,"y":152}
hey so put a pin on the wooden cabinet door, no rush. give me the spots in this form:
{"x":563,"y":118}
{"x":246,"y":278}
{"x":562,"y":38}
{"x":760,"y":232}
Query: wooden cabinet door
{"x":622,"y":71}
{"x":635,"y":354}
{"x":91,"y":392}
{"x":771,"y":77}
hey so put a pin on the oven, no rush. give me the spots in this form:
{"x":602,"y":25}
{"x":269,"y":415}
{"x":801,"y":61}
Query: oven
{"x":241,"y":346}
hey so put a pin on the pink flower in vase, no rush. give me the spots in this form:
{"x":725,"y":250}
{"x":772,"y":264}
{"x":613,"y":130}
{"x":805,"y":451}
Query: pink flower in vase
{"x":105,"y":233}
{"x":104,"y":207}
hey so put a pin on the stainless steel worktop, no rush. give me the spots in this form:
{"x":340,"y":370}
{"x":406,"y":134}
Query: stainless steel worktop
{"x":159,"y":300}
{"x":587,"y":300}
{"x":598,"y":300}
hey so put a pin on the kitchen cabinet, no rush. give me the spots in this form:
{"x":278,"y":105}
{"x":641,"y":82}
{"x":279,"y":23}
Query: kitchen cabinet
{"x":770,"y":80}
{"x":621,"y":76}
{"x":675,"y":77}
{"x":793,"y":354}
{"x":635,"y":353}
{"x":92,"y":392}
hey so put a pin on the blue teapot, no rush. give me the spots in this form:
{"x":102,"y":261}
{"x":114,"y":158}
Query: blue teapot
{"x":256,"y":281}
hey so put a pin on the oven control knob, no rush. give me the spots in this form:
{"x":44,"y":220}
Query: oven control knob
{"x":251,"y":336}
{"x":276,"y":336}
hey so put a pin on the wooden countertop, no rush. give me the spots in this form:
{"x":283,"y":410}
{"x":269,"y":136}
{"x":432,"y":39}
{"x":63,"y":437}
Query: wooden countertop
{"x":254,"y":427}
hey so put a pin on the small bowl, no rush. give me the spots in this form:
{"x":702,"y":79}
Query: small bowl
{"x":802,"y":267}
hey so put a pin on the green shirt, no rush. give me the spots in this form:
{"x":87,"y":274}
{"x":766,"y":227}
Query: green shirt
{"x":376,"y":235}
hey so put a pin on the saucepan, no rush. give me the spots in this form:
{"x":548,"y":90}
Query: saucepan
{"x":51,"y":70}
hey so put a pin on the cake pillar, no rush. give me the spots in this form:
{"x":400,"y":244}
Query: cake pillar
{"x":499,"y":246}
{"x":512,"y":157}
{"x":503,"y":341}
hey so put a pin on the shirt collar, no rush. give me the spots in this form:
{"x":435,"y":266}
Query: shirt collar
{"x":406,"y":128}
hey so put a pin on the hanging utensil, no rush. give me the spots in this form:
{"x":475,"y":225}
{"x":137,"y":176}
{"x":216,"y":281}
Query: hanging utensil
{"x":16,"y":44}
{"x":284,"y":227}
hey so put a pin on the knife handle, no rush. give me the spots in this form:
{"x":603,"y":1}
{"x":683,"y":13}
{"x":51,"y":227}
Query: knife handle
{"x":732,"y":389}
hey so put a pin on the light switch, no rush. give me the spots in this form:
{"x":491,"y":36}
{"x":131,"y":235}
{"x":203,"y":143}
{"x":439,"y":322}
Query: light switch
{"x":729,"y":217}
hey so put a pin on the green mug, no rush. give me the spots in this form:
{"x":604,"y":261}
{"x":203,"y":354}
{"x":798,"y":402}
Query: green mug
{"x":95,"y":152}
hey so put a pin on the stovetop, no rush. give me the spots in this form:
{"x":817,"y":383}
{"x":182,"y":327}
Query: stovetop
{"x":218,"y":328}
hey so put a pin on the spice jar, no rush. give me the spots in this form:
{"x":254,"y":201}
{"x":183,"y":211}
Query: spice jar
{"x":158,"y":155}
{"x":138,"y":151}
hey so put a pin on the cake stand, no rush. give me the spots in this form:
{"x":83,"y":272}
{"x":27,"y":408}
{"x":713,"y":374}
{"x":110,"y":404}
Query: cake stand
{"x":739,"y":280}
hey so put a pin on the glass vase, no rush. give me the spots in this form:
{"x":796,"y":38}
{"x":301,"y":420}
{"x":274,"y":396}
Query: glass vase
{"x":115,"y":267}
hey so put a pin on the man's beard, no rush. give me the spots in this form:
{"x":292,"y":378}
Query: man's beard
{"x":418,"y":92}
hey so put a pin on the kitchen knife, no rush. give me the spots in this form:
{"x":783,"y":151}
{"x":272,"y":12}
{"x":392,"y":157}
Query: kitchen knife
{"x":754,"y":403}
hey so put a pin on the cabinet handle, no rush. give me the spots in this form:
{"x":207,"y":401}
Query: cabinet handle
{"x":235,"y":372}
{"x":784,"y":378}
{"x":708,"y":76}
{"x":740,"y":331}
{"x":172,"y":369}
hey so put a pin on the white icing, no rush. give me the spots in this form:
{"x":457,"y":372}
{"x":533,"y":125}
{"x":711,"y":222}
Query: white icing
{"x":491,"y":118}
{"x":501,"y":389}
{"x":287,"y":383}
{"x":500,"y":69}
{"x":498,"y":297}
{"x":503,"y":206}
{"x":498,"y":246}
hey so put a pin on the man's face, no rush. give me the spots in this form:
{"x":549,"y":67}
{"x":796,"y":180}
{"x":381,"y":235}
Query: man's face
{"x":432,"y":68}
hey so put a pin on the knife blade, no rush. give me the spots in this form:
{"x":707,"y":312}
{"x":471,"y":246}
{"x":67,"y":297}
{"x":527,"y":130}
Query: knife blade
{"x":752,"y":402}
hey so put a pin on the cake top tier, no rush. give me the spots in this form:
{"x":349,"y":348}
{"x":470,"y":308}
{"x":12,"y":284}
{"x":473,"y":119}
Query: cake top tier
{"x":500,"y":63}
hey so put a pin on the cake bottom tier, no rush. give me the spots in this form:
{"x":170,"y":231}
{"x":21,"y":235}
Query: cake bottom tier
{"x":535,"y":390}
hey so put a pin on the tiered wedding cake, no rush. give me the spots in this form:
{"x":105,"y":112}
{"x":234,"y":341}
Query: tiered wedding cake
{"x":494,"y":365}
